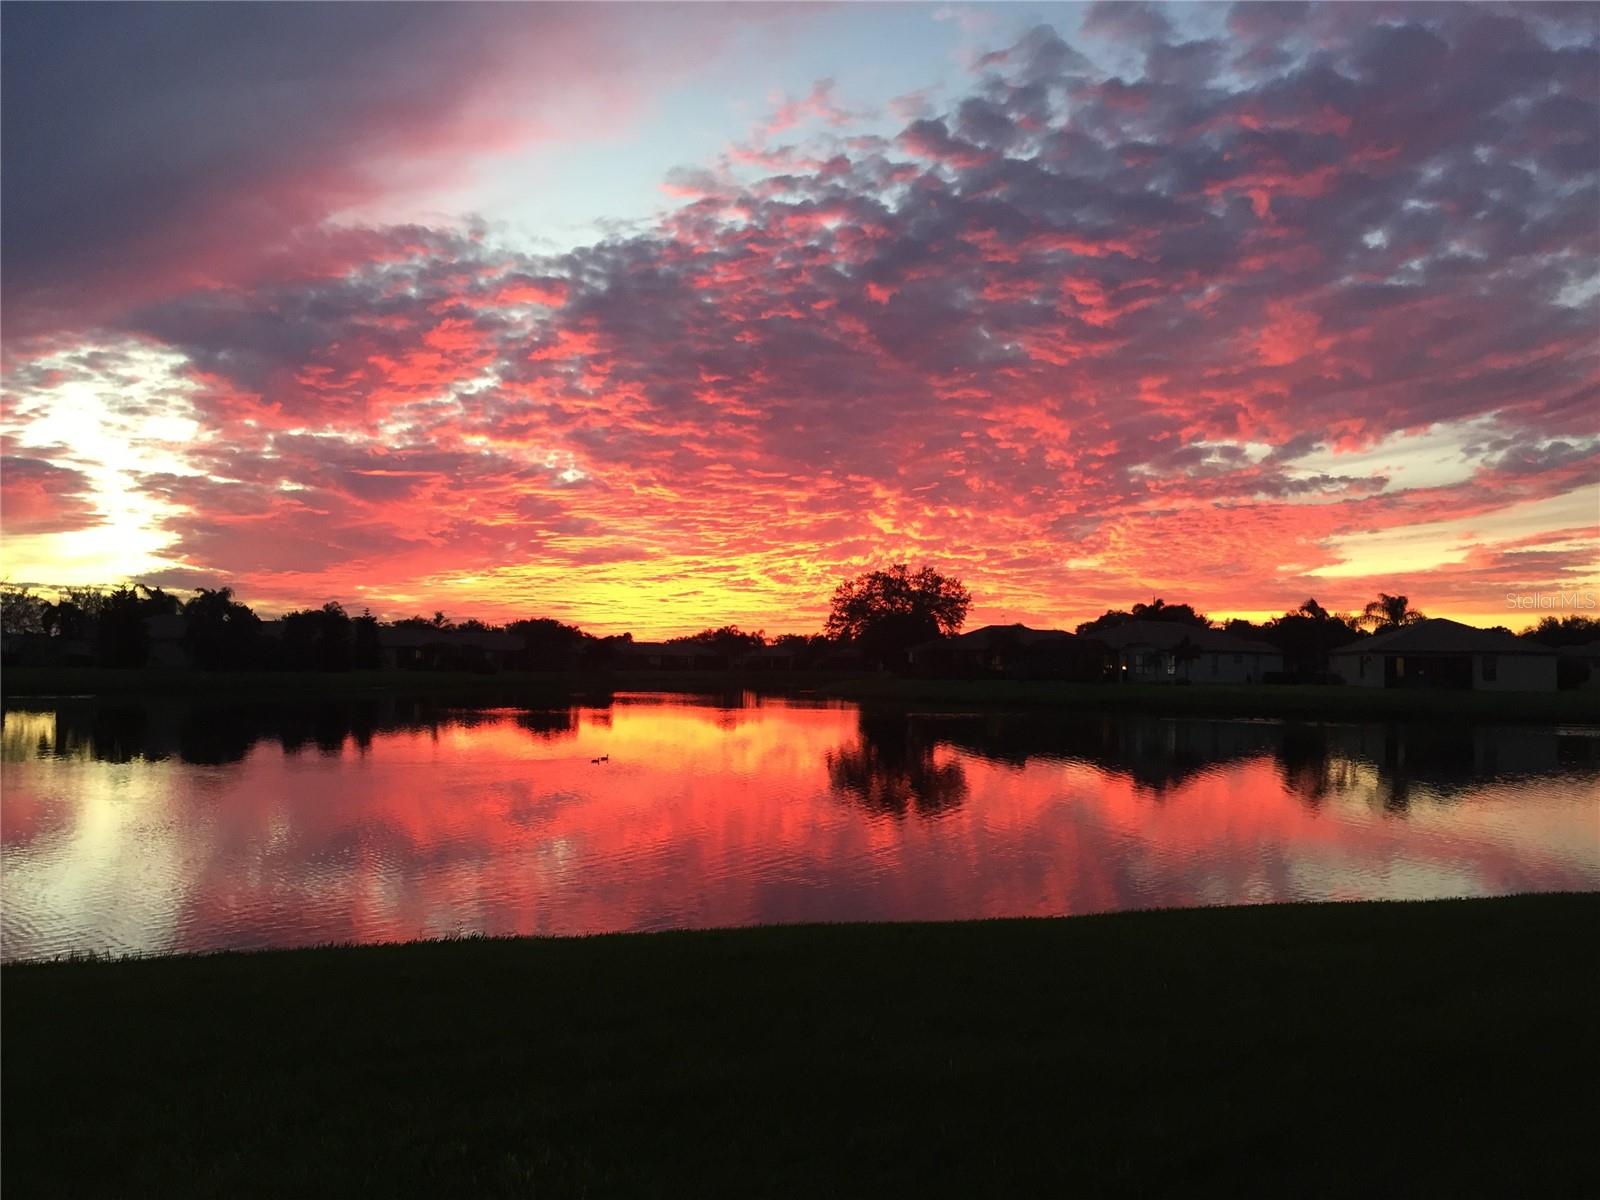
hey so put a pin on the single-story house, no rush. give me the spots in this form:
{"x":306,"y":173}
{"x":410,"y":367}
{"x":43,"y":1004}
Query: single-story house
{"x":165,"y":639}
{"x":1012,"y":651}
{"x":670,"y":656}
{"x":1167,"y":651}
{"x":1438,"y":653}
{"x":767,"y":658}
{"x":40,"y":650}
{"x":1579,"y":666}
{"x":411,"y":647}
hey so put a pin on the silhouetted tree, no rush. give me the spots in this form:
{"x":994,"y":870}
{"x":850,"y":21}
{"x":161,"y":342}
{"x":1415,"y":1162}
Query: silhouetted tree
{"x":158,"y":603}
{"x":1157,"y":610}
{"x":437,"y":621}
{"x":221,"y":633}
{"x":1307,"y":635}
{"x":892,"y":771}
{"x":317,"y":639}
{"x":22,"y":612}
{"x":808,"y":648}
{"x":1571,"y":630}
{"x":120,"y":638}
{"x":548,"y":644}
{"x":885,"y":612}
{"x":366,"y":652}
{"x":602,"y":651}
{"x":1390,"y":612}
{"x":75,"y":614}
{"x":729,"y":641}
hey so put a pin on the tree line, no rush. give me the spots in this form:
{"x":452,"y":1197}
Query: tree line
{"x":878,"y":615}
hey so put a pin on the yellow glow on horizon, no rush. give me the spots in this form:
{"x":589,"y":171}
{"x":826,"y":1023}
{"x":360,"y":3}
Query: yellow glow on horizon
{"x":1415,"y":548}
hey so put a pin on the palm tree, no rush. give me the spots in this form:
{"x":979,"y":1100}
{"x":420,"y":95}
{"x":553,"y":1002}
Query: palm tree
{"x":1390,"y":612}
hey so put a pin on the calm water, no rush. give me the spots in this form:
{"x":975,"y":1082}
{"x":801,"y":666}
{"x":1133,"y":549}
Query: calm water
{"x":167,"y":827}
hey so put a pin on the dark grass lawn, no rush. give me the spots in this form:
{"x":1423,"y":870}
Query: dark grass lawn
{"x":1447,"y":1048}
{"x":536,"y":688}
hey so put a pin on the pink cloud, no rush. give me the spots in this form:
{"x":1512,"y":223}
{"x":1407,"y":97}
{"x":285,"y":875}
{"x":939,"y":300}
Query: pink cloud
{"x":1074,"y":349}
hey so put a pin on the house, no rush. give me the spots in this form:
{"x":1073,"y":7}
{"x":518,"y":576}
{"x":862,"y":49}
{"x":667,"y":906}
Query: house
{"x":1437,"y":653}
{"x":670,"y":656}
{"x":165,"y":640}
{"x":766,"y":658}
{"x":41,"y":649}
{"x":1579,"y":666}
{"x":1012,"y":651}
{"x":419,"y":648}
{"x":1168,"y":651}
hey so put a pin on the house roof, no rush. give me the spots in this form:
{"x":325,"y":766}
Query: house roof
{"x":687,"y":649}
{"x":1436,"y":635}
{"x":1007,"y":635}
{"x":411,"y":637}
{"x":1164,"y":635}
{"x":1004,"y":637}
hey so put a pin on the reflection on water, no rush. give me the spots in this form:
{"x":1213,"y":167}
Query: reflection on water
{"x":172,"y":826}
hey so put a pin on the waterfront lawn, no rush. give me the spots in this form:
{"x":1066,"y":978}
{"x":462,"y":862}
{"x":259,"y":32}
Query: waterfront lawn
{"x":536,"y":688}
{"x":1447,"y":1048}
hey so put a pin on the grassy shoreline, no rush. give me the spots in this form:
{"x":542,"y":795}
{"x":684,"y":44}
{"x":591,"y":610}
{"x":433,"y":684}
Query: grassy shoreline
{"x":1205,"y":700}
{"x":1300,"y":1049}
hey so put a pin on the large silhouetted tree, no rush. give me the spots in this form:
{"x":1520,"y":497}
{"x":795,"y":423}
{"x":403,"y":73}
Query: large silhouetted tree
{"x":366,"y":651}
{"x":729,"y":640}
{"x":120,"y":638}
{"x":317,"y":639}
{"x":885,"y":612}
{"x":549,"y":644}
{"x":1307,"y":635}
{"x":222,"y":634}
{"x":1571,"y":630}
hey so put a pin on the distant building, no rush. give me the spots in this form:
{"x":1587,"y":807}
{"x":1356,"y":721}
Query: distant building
{"x":767,"y":658}
{"x":670,"y":656}
{"x":1437,"y":653}
{"x":416,"y":648}
{"x":1579,"y":666}
{"x":1169,"y":651}
{"x":166,"y":639}
{"x":1012,"y":652}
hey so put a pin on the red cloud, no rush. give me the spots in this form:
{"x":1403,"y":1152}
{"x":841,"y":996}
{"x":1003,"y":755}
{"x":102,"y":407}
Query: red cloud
{"x":1083,"y":355}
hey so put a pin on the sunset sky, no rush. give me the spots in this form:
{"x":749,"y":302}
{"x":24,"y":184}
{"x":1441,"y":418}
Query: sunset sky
{"x":657,"y":317}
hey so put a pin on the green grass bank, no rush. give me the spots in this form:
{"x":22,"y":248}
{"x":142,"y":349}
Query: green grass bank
{"x":1425,"y":1049}
{"x":1201,"y":700}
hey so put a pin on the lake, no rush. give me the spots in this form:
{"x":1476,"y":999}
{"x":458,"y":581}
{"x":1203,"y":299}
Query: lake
{"x":173,"y":826}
